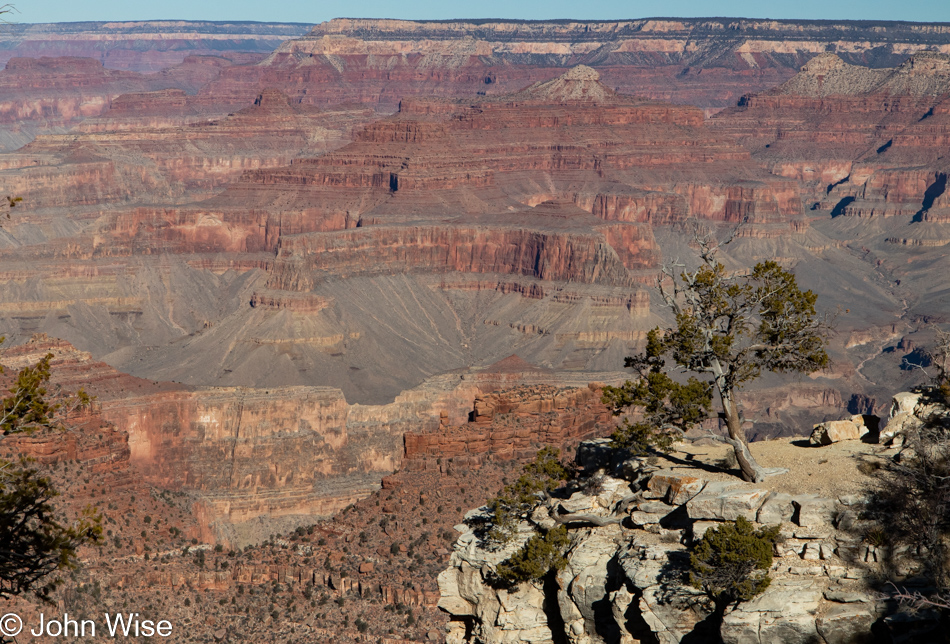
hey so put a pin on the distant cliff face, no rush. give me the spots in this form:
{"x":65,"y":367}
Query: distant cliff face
{"x":863,"y":142}
{"x":705,"y":62}
{"x":285,"y":455}
{"x":145,"y":45}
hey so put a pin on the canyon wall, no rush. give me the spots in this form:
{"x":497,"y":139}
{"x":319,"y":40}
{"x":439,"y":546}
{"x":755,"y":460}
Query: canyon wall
{"x":705,"y":62}
{"x":255,"y":459}
{"x":143,"y":45}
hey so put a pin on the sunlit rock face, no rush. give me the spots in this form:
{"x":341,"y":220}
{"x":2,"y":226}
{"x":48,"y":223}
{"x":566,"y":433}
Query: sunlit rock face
{"x":705,"y":62}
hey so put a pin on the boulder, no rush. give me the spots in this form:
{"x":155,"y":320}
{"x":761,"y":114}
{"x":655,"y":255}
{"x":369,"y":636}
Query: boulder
{"x":901,"y":416}
{"x":654,"y":507}
{"x":777,"y":508}
{"x":641,"y":519}
{"x":903,"y":403}
{"x":834,"y":431}
{"x":722,"y":501}
{"x":700,"y":528}
{"x":897,"y":425}
{"x":784,"y":613}
{"x":673,"y":487}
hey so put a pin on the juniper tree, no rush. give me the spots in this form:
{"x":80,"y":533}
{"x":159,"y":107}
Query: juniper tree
{"x":728,"y":329}
{"x":731,"y":562}
{"x":34,"y":543}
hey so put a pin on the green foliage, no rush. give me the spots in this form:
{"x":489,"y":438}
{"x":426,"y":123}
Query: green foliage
{"x":730,"y":561}
{"x":668,"y":407}
{"x":540,"y":554}
{"x":729,"y":329}
{"x":745,"y":324}
{"x":29,"y":406}
{"x":517,"y":499}
{"x":33,"y":543}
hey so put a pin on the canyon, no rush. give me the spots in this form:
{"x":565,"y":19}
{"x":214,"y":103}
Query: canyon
{"x":222,"y":223}
{"x":536,"y":209}
{"x":217,"y":239}
{"x":275,"y":459}
{"x":320,"y":277}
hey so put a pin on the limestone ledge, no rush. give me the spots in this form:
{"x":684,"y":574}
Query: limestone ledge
{"x":618,"y":578}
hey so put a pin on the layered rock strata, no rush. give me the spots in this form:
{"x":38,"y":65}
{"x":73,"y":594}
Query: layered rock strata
{"x":705,"y":62}
{"x":287,"y":454}
{"x":175,"y":158}
{"x":52,"y":94}
{"x":865,"y":142}
{"x":511,"y":424}
{"x":529,"y":218}
{"x":143,"y":46}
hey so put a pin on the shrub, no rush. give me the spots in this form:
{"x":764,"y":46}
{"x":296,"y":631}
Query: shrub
{"x":539,"y":478}
{"x":539,"y":555}
{"x":730,"y":562}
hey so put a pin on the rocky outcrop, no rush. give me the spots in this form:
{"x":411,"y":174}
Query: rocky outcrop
{"x":623,"y":581}
{"x":509,"y":424}
{"x":910,"y":411}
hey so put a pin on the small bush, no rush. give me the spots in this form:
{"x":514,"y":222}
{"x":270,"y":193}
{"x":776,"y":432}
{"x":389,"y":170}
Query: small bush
{"x":868,"y":468}
{"x":875,"y":536}
{"x":594,"y":485}
{"x":540,"y":477}
{"x":539,"y":555}
{"x":640,"y":438}
{"x":730,"y":561}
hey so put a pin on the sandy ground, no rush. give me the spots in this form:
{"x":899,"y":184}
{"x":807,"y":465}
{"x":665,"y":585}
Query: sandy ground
{"x":831,"y":471}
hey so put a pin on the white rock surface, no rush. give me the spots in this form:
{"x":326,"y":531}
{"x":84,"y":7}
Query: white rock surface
{"x":621,"y":575}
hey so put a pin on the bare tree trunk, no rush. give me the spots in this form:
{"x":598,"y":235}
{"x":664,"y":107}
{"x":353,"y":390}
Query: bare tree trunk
{"x":751,"y":471}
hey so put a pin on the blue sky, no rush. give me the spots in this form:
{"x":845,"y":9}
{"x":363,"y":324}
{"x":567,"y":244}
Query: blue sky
{"x":314,"y":11}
